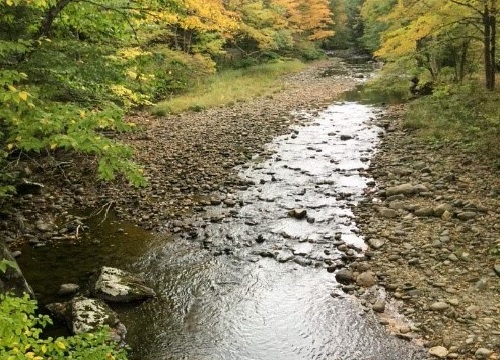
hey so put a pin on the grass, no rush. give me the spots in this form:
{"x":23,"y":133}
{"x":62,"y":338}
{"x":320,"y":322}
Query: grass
{"x":465,"y":113}
{"x":231,"y":86}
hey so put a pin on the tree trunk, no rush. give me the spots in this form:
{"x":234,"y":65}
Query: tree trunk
{"x":489,"y":24}
{"x":46,"y":27}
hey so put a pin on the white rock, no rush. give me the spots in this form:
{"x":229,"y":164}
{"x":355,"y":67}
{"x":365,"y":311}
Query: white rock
{"x":438,"y":351}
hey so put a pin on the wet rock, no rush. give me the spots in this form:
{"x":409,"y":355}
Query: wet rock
{"x":115,"y":285}
{"x":12,"y":280}
{"x":298,"y":213}
{"x":379,"y":306}
{"x":68,"y":289}
{"x":438,"y":351}
{"x":366,"y":279}
{"x":260,"y":239}
{"x":83,"y":315}
{"x":345,"y":277}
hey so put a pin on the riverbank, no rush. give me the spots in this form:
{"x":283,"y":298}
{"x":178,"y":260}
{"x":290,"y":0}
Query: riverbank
{"x":188,"y":159}
{"x":433,"y":223}
{"x":438,"y":268}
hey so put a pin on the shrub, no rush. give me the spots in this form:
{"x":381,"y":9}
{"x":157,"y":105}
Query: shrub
{"x":21,"y":336}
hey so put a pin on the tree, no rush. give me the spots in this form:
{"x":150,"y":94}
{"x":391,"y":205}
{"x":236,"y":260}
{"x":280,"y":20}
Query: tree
{"x":415,"y":25}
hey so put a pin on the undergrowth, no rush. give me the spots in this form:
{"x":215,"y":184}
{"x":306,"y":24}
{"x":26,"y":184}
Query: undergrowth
{"x":462,"y":113}
{"x":230,"y":86}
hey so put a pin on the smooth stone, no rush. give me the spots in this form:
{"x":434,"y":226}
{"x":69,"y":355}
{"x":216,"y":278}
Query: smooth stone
{"x":376,"y":243}
{"x":379,"y":306}
{"x":424,"y":212}
{"x":438,"y":351}
{"x":405,"y":189}
{"x":366,"y":279}
{"x":467,"y":215}
{"x":482,"y":353}
{"x":68,"y":289}
{"x":439,"y":306}
{"x":441,"y":209}
{"x":388,"y":213}
{"x":344,"y":276}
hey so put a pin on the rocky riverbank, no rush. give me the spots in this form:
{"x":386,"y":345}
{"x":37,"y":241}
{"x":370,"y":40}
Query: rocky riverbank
{"x":188,"y":159}
{"x":431,"y":216}
{"x":432,"y":221}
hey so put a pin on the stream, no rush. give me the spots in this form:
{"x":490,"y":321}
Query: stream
{"x":253,"y":283}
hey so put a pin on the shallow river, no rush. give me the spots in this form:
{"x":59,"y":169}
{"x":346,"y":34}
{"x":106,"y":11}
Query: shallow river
{"x":252,"y":284}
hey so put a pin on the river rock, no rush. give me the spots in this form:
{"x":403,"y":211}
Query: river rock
{"x":466,"y":215}
{"x":438,"y":351}
{"x":388,"y":213}
{"x":115,"y":285}
{"x":68,"y":289}
{"x":424,"y":212}
{"x":496,"y":268}
{"x":404,"y":189}
{"x":441,"y":209}
{"x":379,"y":306}
{"x":298,"y":213}
{"x":83,"y":315}
{"x":345,"y":137}
{"x":344,"y":276}
{"x":482,"y":353}
{"x":439,"y":306}
{"x":366,"y":279}
{"x":12,"y":280}
{"x":376,"y":243}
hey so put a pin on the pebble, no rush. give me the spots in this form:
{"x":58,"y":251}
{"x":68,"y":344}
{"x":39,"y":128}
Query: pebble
{"x":438,"y":351}
{"x":366,"y":279}
{"x":439,"y":306}
{"x":344,"y":276}
{"x":379,"y":306}
{"x":482,"y":353}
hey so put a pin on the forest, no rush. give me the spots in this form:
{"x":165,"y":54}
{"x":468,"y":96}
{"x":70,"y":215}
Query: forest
{"x":71,"y":72}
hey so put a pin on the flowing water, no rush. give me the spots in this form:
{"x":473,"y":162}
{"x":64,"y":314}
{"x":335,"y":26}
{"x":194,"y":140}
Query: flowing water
{"x":252,"y":284}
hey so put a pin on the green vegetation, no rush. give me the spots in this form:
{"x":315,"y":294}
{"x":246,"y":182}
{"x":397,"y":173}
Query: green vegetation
{"x":231,"y":86}
{"x":68,"y":79}
{"x":21,"y":336}
{"x":464,"y":113}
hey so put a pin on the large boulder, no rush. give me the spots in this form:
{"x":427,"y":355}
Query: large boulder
{"x":115,"y":285}
{"x":84,"y":315}
{"x":12,"y":280}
